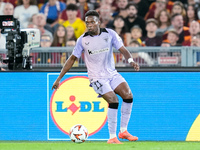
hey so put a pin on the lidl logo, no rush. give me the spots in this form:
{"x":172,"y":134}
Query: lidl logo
{"x":75,"y":102}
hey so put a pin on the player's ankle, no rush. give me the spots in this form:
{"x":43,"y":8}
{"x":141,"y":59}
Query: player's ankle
{"x":112,"y":136}
{"x":123,"y":129}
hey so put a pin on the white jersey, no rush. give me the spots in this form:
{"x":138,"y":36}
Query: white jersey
{"x":24,"y":14}
{"x":98,"y":52}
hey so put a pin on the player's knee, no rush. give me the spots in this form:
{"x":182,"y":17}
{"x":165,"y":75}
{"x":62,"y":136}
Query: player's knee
{"x":111,"y":97}
{"x":127,"y":95}
{"x":113,"y":100}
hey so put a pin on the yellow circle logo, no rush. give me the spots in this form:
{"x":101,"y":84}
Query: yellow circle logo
{"x":77,"y":103}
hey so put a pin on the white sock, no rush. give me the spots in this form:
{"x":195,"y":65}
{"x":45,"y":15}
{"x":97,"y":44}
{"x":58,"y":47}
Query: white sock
{"x":112,"y":121}
{"x":122,"y":129}
{"x":113,"y":136}
{"x":126,"y":109}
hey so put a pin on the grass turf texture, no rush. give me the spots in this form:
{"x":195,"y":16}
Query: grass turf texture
{"x":94,"y":145}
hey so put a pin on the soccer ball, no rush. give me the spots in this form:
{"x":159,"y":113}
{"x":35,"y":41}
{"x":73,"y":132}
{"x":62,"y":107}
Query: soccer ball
{"x":78,"y":133}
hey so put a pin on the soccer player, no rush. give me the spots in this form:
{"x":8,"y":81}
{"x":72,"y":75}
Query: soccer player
{"x":106,"y":81}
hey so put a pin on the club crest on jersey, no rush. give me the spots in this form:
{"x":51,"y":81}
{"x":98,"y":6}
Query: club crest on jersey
{"x":106,"y":39}
{"x":87,"y":43}
{"x":98,"y":51}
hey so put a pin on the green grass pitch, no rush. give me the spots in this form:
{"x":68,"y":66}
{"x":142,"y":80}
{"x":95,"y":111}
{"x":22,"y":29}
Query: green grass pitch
{"x":97,"y":145}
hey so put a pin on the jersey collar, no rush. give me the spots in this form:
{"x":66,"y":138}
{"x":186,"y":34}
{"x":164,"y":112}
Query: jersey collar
{"x":101,"y":30}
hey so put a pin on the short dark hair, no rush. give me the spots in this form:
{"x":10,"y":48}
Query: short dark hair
{"x":132,"y":4}
{"x":72,"y":7}
{"x":92,"y":13}
{"x":174,"y":15}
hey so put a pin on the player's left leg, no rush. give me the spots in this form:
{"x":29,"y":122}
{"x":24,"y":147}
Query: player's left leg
{"x":124,"y":91}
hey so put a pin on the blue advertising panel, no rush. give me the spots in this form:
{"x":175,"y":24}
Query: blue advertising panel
{"x":166,"y":106}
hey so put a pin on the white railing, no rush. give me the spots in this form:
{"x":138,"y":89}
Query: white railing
{"x":144,"y":56}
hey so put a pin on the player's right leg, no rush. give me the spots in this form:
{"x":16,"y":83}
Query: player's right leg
{"x":103,"y":88}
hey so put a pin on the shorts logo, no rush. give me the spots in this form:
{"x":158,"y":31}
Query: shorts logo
{"x":77,"y":103}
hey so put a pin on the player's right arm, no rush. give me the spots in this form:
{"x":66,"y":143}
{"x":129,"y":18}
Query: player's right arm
{"x":70,"y":61}
{"x":68,"y":64}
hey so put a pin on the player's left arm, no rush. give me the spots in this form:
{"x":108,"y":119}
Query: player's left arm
{"x":129,"y":58}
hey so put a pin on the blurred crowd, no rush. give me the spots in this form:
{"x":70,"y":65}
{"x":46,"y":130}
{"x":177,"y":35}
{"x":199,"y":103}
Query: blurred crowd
{"x":143,"y":23}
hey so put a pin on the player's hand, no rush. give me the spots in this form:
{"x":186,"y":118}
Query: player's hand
{"x":135,"y":66}
{"x":56,"y":85}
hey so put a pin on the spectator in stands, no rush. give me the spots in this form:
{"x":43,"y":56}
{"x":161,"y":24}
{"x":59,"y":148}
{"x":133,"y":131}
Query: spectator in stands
{"x":84,"y":6}
{"x":191,"y":15}
{"x":196,"y":4}
{"x":43,"y":57}
{"x":151,"y":39}
{"x":34,"y":20}
{"x":24,"y":11}
{"x":143,"y":7}
{"x":8,"y":9}
{"x":142,"y":58}
{"x":52,"y":9}
{"x":105,"y":12}
{"x":63,"y":16}
{"x":133,"y":19}
{"x":121,"y":11}
{"x":163,"y":22}
{"x":41,"y":22}
{"x":173,"y":37}
{"x":46,"y":40}
{"x":193,"y":29}
{"x":136,"y":34}
{"x":78,"y":24}
{"x":169,"y":6}
{"x":60,"y":37}
{"x":71,"y":39}
{"x":159,"y":5}
{"x":111,"y":3}
{"x":120,"y":27}
{"x":178,"y":8}
{"x":2,"y":4}
{"x":59,"y":40}
{"x":177,"y":24}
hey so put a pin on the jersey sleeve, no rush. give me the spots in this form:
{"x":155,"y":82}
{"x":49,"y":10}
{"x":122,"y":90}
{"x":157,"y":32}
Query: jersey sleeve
{"x":116,"y":40}
{"x":78,"y":49}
